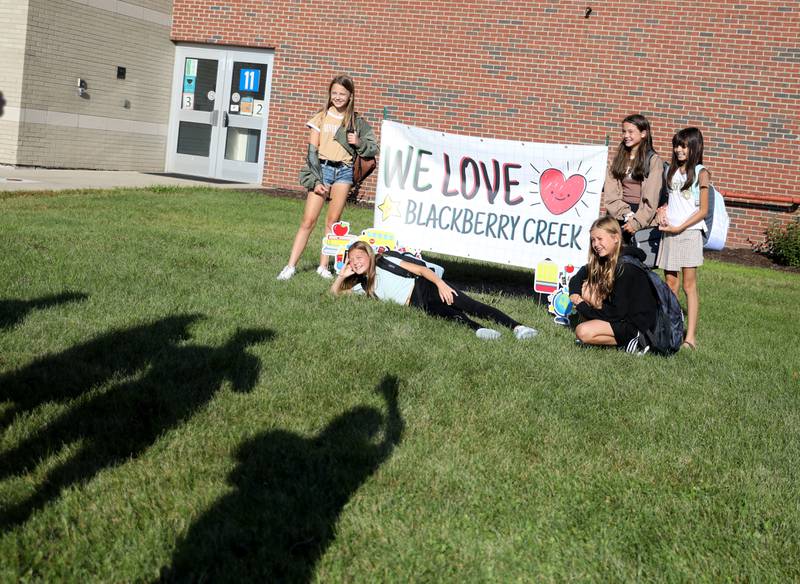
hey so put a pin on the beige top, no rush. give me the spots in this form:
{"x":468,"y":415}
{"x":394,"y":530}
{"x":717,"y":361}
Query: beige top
{"x":651,"y":189}
{"x":329,"y":148}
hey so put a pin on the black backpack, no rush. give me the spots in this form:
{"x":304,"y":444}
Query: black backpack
{"x":667,"y":334}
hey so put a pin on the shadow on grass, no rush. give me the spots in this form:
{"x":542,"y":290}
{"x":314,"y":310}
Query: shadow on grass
{"x":486,"y":278}
{"x":67,"y":375}
{"x":289,"y":493}
{"x":13,"y":311}
{"x":122,"y":422}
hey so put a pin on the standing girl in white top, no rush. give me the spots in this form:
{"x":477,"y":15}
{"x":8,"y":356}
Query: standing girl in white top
{"x":682,"y":222}
{"x":328,"y":172}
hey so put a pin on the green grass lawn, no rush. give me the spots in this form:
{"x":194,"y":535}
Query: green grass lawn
{"x":172,"y":412}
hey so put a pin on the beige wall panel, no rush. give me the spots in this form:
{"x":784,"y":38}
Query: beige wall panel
{"x":70,"y":39}
{"x":14,"y":16}
{"x":87,"y":148}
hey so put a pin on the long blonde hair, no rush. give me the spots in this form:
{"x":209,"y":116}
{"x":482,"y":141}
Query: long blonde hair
{"x":603,"y":271}
{"x":366,"y":280}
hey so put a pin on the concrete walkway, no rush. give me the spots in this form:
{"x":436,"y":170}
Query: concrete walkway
{"x":45,"y":179}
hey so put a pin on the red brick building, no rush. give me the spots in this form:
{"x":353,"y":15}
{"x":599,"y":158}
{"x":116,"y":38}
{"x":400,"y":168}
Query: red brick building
{"x":550,"y":71}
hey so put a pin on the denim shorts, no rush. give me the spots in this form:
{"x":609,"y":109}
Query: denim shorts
{"x":332,"y":175}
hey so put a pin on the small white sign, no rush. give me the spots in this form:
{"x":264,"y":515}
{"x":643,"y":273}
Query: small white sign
{"x":234,"y":108}
{"x":188,"y":101}
{"x":258,"y":108}
{"x":191,"y":68}
{"x":212,"y":95}
{"x":235,"y":98}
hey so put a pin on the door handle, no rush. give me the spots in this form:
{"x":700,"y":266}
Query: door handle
{"x":224,"y":119}
{"x":214,"y":117}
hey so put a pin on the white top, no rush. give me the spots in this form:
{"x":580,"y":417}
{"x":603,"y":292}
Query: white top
{"x":681,"y":203}
{"x":389,"y":286}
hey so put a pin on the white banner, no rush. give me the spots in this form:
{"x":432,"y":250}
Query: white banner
{"x":509,"y":202}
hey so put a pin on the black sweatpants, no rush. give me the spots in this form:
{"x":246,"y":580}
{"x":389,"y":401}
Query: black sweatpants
{"x":426,"y":296}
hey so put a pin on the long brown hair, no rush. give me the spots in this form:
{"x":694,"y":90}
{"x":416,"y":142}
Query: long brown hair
{"x":347,"y":82}
{"x":366,"y":280}
{"x":620,"y":163}
{"x":692,"y":139}
{"x":603,"y":271}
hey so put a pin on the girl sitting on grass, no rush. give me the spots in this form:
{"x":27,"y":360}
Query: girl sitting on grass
{"x":424,"y":289}
{"x":615,"y":300}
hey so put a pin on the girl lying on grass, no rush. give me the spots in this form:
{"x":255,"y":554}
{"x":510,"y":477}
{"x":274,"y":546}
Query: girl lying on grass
{"x":423,"y":289}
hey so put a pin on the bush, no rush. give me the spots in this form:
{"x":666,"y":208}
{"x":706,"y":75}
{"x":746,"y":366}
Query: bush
{"x":783,"y":243}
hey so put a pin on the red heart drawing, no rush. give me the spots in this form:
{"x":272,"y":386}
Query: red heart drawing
{"x":560,"y":195}
{"x":340,"y":229}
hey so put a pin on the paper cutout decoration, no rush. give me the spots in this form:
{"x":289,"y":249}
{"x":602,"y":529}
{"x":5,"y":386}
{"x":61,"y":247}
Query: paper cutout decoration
{"x":338,"y":241}
{"x":560,"y":304}
{"x":379,"y":239}
{"x":546,"y":278}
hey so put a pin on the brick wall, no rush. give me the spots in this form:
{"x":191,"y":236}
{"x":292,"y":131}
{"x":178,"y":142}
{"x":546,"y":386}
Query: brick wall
{"x":539,"y":71}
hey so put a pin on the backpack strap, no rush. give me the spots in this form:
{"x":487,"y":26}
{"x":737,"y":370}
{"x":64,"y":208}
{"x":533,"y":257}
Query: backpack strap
{"x":392,"y":267}
{"x":650,"y":155}
{"x":696,"y":183}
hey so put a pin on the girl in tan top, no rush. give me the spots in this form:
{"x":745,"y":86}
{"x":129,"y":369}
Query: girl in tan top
{"x":634,"y":178}
{"x":328,"y":172}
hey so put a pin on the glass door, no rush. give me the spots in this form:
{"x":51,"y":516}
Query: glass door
{"x":194,"y":121}
{"x":244,"y":119}
{"x":219,"y":113}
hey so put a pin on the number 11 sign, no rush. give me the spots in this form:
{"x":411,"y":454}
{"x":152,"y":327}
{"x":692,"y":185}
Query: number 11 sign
{"x":249,"y":79}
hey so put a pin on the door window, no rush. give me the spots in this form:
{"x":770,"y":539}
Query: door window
{"x":194,"y":138}
{"x":242,"y":144}
{"x":248,"y":83}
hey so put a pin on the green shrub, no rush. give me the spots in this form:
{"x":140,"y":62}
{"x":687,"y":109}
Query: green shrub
{"x":783,"y":243}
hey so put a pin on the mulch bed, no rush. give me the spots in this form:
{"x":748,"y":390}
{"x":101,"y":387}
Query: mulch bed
{"x":747,"y":257}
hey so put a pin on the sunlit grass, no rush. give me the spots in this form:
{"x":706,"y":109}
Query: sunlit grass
{"x":172,"y":411}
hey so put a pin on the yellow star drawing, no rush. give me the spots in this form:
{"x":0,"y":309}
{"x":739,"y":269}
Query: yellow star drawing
{"x":388,"y":208}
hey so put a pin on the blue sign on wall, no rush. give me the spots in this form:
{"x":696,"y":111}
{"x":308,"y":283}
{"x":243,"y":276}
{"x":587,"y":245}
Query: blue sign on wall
{"x":189,"y":83}
{"x":249,"y":79}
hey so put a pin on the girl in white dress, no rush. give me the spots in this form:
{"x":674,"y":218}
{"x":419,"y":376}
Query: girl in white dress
{"x":682,"y":222}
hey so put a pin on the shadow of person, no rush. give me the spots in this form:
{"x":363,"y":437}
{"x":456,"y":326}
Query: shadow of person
{"x":288,"y":493}
{"x":2,"y":104}
{"x":66,"y":375}
{"x":13,"y":311}
{"x":124,"y":421}
{"x":486,"y":279}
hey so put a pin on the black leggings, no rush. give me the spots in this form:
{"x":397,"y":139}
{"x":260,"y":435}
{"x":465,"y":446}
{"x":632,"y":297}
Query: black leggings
{"x":426,"y":296}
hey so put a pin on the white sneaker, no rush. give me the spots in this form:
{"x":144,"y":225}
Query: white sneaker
{"x":487,"y":334}
{"x":286,"y":273}
{"x":325,"y":273}
{"x":524,"y":332}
